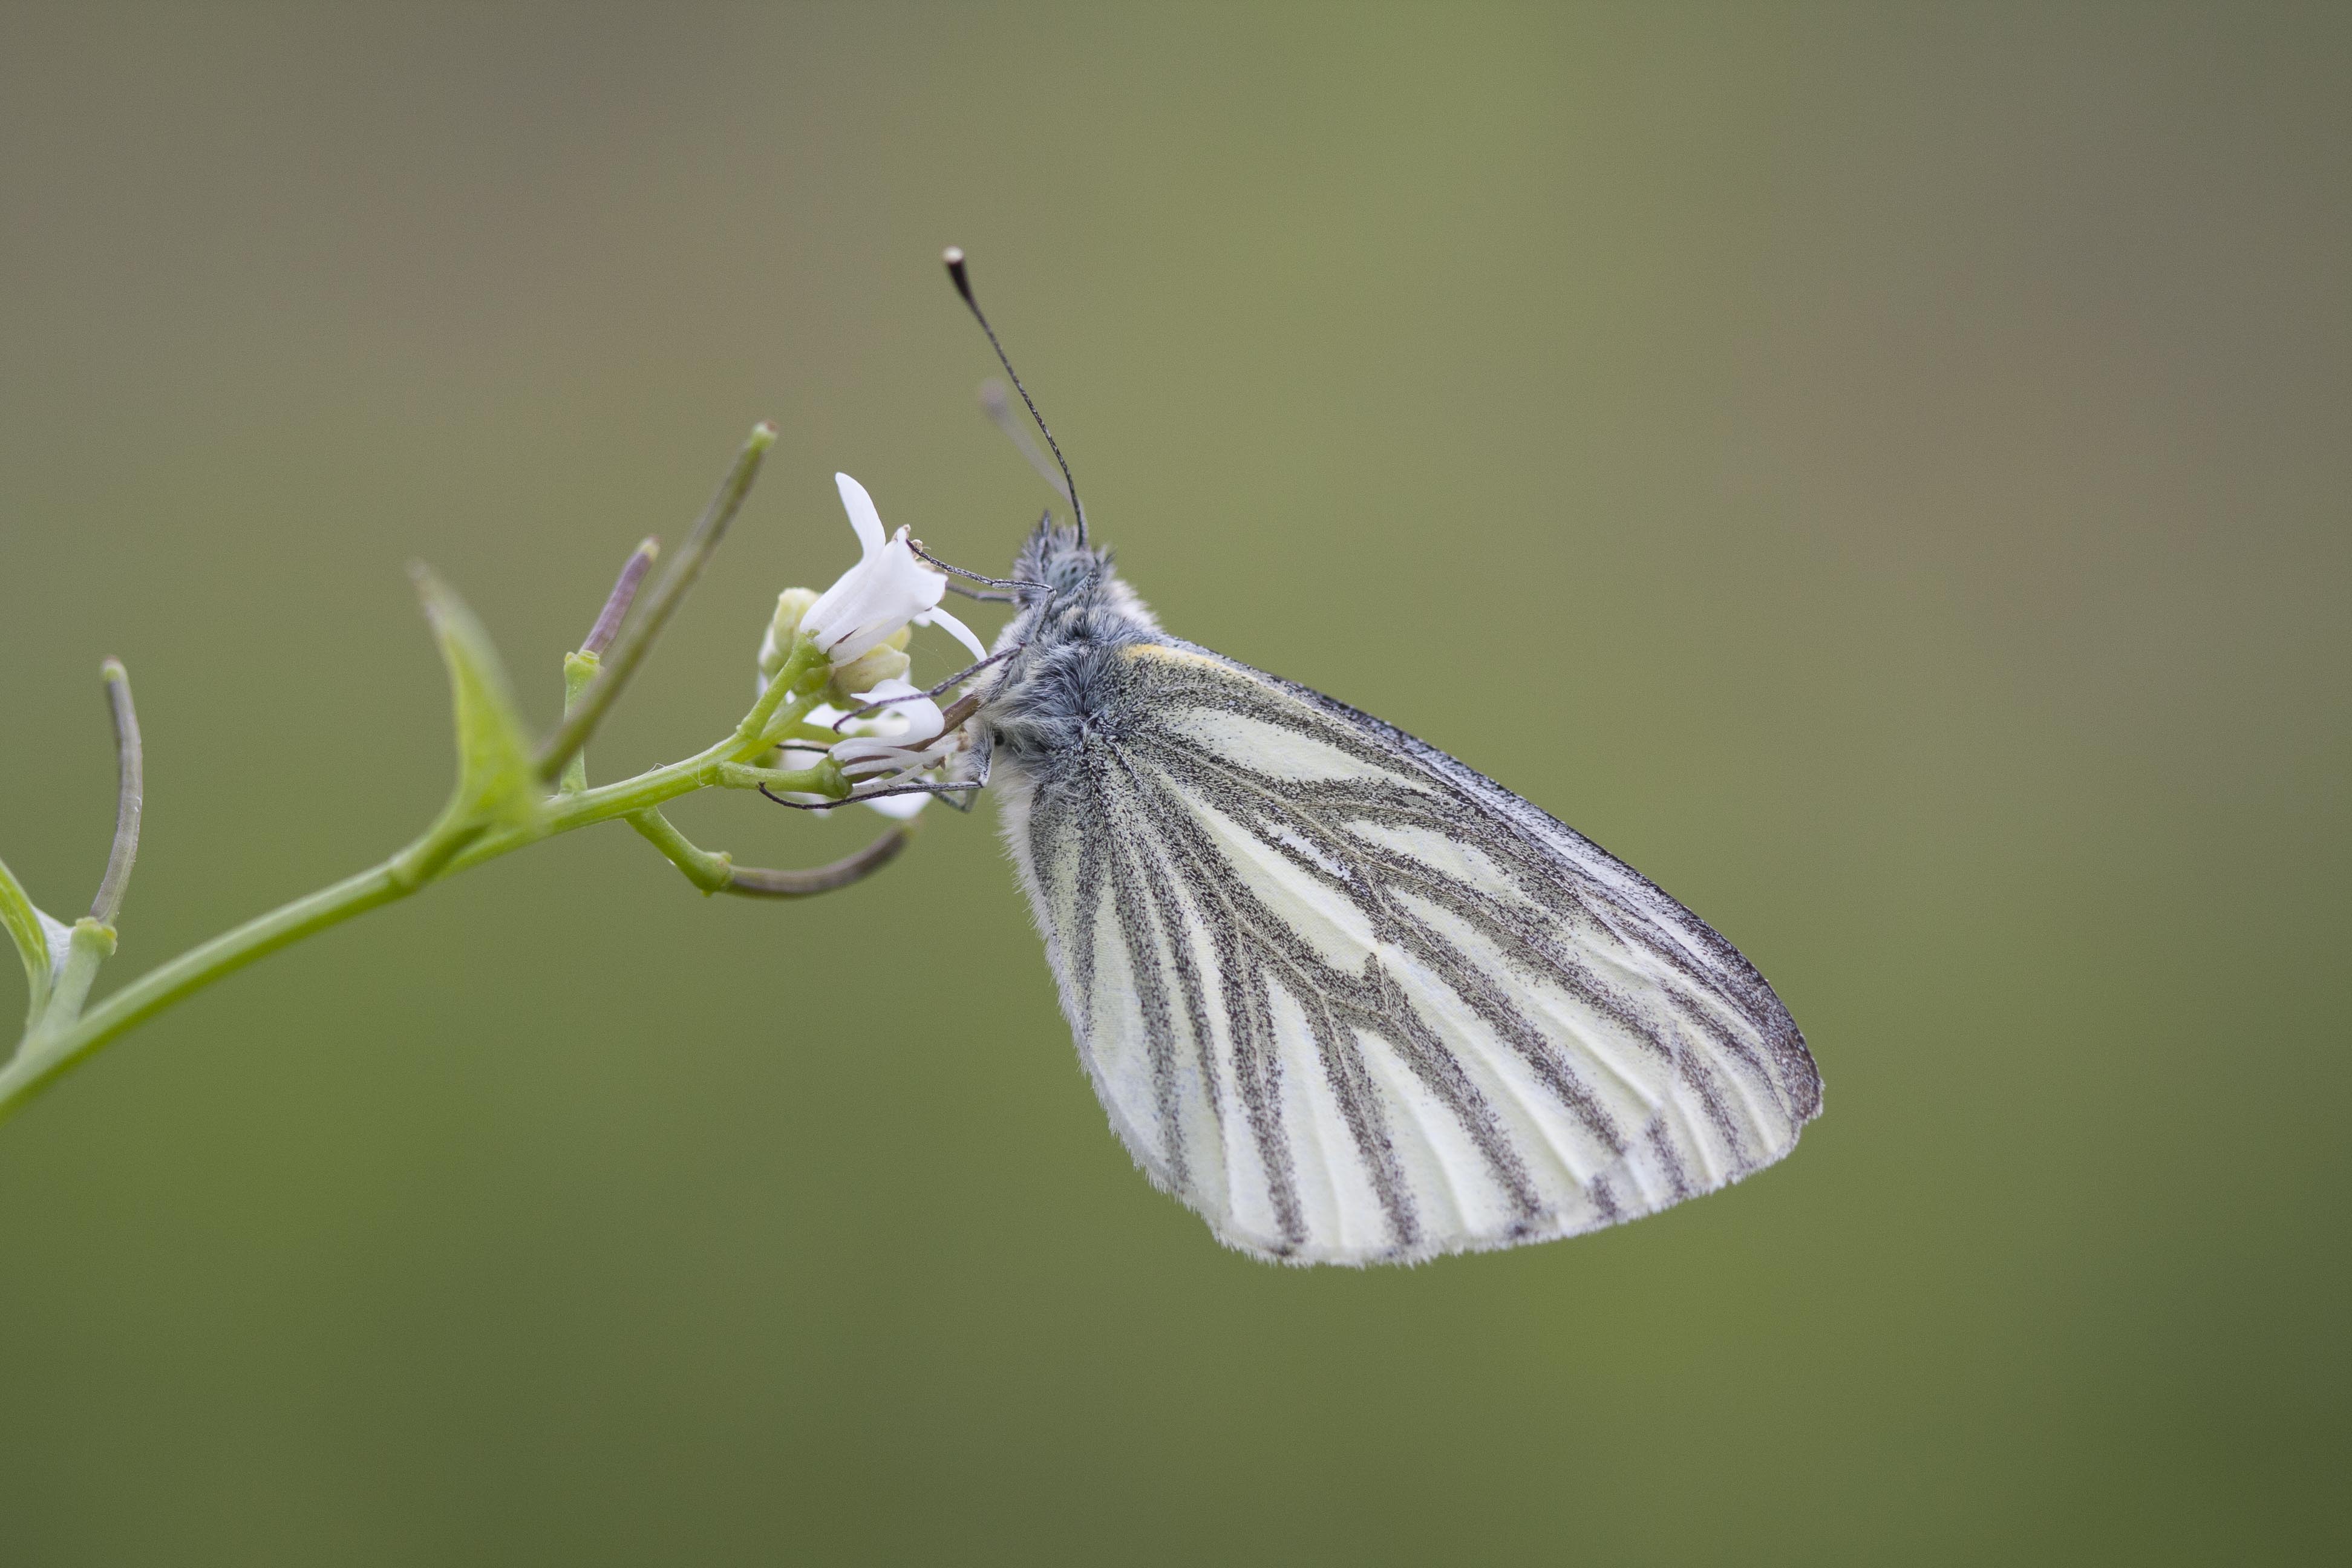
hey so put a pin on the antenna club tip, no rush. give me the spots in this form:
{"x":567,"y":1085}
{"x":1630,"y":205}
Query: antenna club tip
{"x":953,"y":256}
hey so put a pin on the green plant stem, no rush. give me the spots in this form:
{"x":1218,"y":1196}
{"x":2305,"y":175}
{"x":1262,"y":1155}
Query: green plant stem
{"x":578,"y":669}
{"x":49,"y":1054}
{"x":709,"y":871}
{"x":453,"y":844}
{"x":92,"y":943}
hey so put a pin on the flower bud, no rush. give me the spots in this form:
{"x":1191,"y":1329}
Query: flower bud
{"x":777,"y":646}
{"x":886,"y":660}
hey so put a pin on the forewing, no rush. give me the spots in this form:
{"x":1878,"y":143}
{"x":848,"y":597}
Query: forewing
{"x":1356,"y":1002}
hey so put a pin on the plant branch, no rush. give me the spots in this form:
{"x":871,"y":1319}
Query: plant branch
{"x":48,"y":1056}
{"x":497,"y":807}
{"x":453,"y":844}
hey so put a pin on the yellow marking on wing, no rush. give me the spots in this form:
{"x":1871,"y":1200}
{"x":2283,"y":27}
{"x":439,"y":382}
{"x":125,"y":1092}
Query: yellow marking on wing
{"x":1177,"y":656}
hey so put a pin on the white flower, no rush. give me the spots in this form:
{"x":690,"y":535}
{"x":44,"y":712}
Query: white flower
{"x":887,"y":590}
{"x":890,"y":746}
{"x":903,"y":738}
{"x":860,"y":625}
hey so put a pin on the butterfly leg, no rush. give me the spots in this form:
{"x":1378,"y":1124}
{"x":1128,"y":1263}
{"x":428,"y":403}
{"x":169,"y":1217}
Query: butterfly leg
{"x":947,"y":787}
{"x":961,"y":712}
{"x":852,"y":798}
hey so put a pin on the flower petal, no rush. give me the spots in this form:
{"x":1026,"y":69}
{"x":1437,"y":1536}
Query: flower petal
{"x":934,"y":616}
{"x":864,"y":519}
{"x":910,"y":715}
{"x":873,"y":600}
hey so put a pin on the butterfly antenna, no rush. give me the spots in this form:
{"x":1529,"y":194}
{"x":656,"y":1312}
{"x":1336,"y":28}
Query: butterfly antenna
{"x":1000,"y":414}
{"x":953,"y":256}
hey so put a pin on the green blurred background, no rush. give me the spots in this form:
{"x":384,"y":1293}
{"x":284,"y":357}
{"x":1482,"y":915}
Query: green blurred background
{"x":1882,"y":471}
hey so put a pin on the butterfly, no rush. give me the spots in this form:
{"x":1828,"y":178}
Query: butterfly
{"x":1348,"y":999}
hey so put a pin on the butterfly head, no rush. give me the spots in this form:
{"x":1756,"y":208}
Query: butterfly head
{"x":1060,"y":564}
{"x":1069,"y":592}
{"x":1071,"y":578}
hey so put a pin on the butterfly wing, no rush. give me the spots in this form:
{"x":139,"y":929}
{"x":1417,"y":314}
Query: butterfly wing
{"x":1356,"y":1002}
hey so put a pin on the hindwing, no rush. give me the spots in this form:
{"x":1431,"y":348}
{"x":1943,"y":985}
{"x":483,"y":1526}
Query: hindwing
{"x":1356,"y":1002}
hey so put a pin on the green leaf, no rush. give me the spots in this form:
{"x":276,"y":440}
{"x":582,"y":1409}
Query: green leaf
{"x":24,"y":924}
{"x":495,"y":778}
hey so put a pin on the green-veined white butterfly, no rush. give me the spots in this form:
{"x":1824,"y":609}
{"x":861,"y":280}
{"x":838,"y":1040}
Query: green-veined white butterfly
{"x":1348,"y":999}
